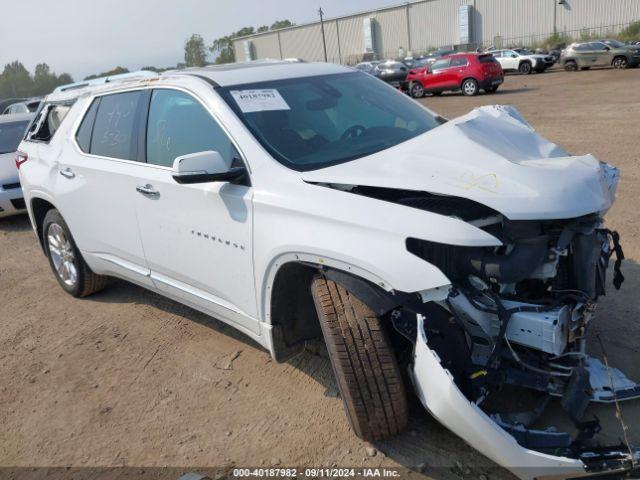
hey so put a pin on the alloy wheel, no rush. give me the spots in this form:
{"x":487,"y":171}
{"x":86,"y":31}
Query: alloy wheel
{"x":469,"y":87}
{"x":62,"y":255}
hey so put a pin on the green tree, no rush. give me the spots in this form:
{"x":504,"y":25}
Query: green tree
{"x":263,"y":28}
{"x":15,"y":81}
{"x":278,"y":24}
{"x":222,"y":47}
{"x":195,"y":53}
{"x":116,"y":71}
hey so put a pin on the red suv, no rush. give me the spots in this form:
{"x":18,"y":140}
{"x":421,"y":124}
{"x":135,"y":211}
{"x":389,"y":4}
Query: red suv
{"x":468,"y":72}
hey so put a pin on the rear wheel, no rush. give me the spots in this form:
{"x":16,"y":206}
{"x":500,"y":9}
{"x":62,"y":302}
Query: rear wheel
{"x":68,"y":266}
{"x":570,"y":66}
{"x":620,"y":62}
{"x":363,"y":361}
{"x":469,"y":87}
{"x":416,"y":90}
{"x":525,"y":68}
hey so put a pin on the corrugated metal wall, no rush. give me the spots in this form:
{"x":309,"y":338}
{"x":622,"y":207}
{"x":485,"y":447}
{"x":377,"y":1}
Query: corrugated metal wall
{"x":427,"y":24}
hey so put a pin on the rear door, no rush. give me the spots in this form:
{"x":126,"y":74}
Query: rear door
{"x":459,"y":69}
{"x":197,"y":238}
{"x":95,"y":184}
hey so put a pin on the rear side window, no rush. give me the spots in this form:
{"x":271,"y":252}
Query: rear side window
{"x":83,"y":136}
{"x":11,"y":135}
{"x":45,"y":128}
{"x":459,"y":62}
{"x":486,"y":59}
{"x":115,"y":127}
{"x":179,"y":125}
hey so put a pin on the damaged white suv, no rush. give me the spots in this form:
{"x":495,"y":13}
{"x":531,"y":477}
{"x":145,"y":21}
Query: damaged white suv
{"x":299,"y":200}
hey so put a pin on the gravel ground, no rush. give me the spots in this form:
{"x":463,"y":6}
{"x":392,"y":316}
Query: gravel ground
{"x":128,"y":378}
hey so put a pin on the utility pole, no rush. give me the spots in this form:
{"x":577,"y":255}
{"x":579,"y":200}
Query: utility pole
{"x":324,"y":40}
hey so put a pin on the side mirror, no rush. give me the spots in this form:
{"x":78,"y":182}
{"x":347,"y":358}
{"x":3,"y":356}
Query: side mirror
{"x":203,"y":167}
{"x":513,"y":55}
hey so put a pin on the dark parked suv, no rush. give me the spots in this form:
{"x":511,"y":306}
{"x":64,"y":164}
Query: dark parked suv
{"x":600,"y":53}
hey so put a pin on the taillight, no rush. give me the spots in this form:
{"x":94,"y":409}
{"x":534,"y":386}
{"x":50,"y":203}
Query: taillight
{"x":21,"y":157}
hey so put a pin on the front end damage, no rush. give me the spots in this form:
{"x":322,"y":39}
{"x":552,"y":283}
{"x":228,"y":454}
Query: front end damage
{"x":509,"y":333}
{"x":515,"y":320}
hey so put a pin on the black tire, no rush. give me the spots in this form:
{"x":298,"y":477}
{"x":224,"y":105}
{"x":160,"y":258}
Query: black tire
{"x":469,"y":87}
{"x":363,"y":362}
{"x":525,"y":68}
{"x":84,"y":282}
{"x":620,"y":63}
{"x":491,"y":89}
{"x":570,"y":66}
{"x":416,"y":90}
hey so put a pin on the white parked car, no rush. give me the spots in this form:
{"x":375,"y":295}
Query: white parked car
{"x":304,"y":200}
{"x":522,"y":60}
{"x":12,"y":129}
{"x":27,"y":106}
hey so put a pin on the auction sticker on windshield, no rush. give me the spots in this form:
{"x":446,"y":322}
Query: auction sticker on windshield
{"x":259,"y":100}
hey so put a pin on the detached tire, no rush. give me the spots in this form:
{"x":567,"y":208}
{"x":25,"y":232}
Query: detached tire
{"x":67,"y":264}
{"x":363,"y":362}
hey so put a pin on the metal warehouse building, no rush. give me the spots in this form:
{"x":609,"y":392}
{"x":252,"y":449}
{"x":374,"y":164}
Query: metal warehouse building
{"x":420,"y":26}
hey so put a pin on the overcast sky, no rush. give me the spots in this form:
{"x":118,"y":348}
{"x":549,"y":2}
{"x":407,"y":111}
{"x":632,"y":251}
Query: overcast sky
{"x":82,"y":37}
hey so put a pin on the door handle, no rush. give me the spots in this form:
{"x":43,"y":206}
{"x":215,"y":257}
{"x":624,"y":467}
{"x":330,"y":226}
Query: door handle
{"x":148,"y":190}
{"x":67,"y":173}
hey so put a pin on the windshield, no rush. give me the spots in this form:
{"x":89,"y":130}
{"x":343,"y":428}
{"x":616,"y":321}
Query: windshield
{"x":313,"y":122}
{"x":11,"y":135}
{"x":523,"y":51}
{"x":614,"y":43}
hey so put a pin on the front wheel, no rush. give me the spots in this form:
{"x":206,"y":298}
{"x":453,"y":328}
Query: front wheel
{"x":570,"y":66}
{"x":469,"y":87}
{"x":620,"y":63}
{"x":363,"y":362}
{"x":69,"y":268}
{"x":416,"y":90}
{"x":525,"y":68}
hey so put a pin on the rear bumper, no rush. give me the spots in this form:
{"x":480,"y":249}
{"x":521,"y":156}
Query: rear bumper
{"x":11,"y":202}
{"x":490,"y":82}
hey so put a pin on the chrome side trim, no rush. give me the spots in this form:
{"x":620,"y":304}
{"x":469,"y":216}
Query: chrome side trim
{"x":131,"y":267}
{"x":207,"y":297}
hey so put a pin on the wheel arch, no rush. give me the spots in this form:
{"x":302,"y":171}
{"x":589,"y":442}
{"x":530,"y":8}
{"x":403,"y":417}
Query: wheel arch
{"x":38,"y":208}
{"x":289,"y":308}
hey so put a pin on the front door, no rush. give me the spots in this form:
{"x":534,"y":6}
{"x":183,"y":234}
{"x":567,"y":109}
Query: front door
{"x":197,"y":238}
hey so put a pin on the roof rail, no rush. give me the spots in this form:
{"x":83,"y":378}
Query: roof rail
{"x":122,"y":77}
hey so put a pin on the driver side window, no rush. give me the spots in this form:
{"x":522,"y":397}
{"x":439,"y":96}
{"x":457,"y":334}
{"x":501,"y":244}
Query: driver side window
{"x":178,"y":125}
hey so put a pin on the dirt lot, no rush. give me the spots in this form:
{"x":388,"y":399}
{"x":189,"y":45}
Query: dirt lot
{"x":126,"y":377}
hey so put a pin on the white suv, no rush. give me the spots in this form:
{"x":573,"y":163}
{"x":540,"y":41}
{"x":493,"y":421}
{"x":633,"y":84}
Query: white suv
{"x":522,"y":60}
{"x":299,"y":200}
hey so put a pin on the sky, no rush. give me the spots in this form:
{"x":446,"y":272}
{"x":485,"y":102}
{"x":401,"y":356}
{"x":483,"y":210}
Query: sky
{"x":82,"y":37}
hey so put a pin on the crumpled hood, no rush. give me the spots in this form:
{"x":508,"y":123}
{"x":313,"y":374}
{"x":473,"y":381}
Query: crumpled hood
{"x":492,"y":156}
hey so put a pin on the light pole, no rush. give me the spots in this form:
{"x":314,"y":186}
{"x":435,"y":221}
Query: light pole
{"x":324,"y":40}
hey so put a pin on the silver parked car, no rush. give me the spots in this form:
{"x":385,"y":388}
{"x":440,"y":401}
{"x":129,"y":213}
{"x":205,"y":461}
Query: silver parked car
{"x":12,"y":129}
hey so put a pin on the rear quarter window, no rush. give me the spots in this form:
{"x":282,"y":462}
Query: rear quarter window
{"x":48,"y":121}
{"x":486,"y":59}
